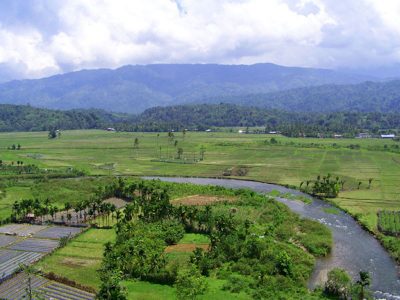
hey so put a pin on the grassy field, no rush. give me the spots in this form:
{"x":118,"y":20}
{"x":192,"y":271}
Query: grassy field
{"x":80,"y":259}
{"x":288,"y":162}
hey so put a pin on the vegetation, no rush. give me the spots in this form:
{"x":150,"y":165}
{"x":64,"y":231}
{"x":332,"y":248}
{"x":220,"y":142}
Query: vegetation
{"x":255,"y":240}
{"x":389,"y":222}
{"x":199,"y":117}
{"x":162,"y":84}
{"x":339,"y":285}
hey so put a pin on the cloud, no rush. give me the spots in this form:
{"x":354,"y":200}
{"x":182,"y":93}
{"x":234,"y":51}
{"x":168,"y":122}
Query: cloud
{"x":44,"y":37}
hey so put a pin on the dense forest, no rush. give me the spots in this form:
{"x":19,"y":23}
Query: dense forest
{"x":204,"y":116}
{"x":27,"y":118}
{"x":363,"y":97}
{"x":199,"y":117}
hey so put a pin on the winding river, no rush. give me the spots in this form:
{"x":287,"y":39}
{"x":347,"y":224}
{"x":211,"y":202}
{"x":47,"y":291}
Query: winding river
{"x":354,"y":249}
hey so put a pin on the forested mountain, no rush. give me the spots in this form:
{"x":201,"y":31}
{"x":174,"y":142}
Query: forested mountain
{"x":26,"y":118}
{"x":204,"y":116}
{"x":364,"y":97}
{"x":198,"y":117}
{"x":135,"y":88}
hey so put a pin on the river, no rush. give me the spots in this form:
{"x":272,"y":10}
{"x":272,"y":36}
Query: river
{"x":354,"y":248}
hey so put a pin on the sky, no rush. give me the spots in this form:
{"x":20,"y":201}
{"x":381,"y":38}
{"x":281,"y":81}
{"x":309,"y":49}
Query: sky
{"x":40,"y":38}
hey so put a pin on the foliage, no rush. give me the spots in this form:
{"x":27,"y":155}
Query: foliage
{"x":389,"y":222}
{"x":325,"y":187}
{"x":190,"y":284}
{"x":111,"y":288}
{"x":338,"y":284}
{"x":236,"y":243}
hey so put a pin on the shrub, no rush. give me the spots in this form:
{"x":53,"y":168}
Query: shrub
{"x":190,"y":284}
{"x":338,"y":283}
{"x":172,"y":231}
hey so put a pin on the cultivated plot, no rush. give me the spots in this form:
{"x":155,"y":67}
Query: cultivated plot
{"x":35,"y":245}
{"x":11,"y":260}
{"x":6,"y":240}
{"x":57,"y":232}
{"x":21,"y":229}
{"x":15,"y":288}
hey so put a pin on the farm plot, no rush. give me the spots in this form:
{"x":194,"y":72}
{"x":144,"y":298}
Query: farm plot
{"x":15,"y":289}
{"x":21,"y":229}
{"x":6,"y":240}
{"x":10,"y":261}
{"x":57,"y":232}
{"x":35,"y":245}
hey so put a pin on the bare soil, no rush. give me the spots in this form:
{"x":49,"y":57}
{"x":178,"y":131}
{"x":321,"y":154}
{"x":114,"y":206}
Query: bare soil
{"x":186,"y":247}
{"x":202,"y":200}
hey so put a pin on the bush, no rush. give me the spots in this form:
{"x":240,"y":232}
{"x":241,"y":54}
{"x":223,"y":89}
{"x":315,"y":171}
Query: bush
{"x":338,"y":284}
{"x":237,"y":283}
{"x":172,"y":231}
{"x":190,"y":284}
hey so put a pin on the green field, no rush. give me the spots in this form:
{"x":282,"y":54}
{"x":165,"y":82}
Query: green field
{"x":80,"y":259}
{"x":289,"y":162}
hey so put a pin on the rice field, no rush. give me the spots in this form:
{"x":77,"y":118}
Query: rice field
{"x":290,"y":161}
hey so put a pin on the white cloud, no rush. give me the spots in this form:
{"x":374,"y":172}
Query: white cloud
{"x":111,"y":33}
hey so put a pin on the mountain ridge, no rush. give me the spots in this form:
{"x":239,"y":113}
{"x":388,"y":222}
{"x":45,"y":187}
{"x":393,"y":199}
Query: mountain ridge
{"x":135,"y":88}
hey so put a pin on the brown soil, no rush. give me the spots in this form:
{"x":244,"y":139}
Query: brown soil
{"x":202,"y":200}
{"x":185,"y":247}
{"x":76,"y":262}
{"x":117,"y":202}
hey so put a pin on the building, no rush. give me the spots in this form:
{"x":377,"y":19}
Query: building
{"x":110,"y":129}
{"x":363,"y":135}
{"x":388,"y":136}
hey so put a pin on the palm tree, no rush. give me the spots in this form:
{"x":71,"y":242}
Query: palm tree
{"x":364,"y":282}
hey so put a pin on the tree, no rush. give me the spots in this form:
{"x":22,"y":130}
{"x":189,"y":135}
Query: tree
{"x":370,"y":182}
{"x":180,"y":152}
{"x":202,"y":152}
{"x":52,"y":134}
{"x":111,"y":288}
{"x":190,"y":284}
{"x":30,"y":272}
{"x":364,"y":283}
{"x":136,"y":143}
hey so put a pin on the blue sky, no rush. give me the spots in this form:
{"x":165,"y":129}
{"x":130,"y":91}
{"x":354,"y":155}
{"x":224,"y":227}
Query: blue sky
{"x":45,"y":37}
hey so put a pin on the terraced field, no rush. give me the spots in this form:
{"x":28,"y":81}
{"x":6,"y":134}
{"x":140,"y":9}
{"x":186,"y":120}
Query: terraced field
{"x":15,"y":289}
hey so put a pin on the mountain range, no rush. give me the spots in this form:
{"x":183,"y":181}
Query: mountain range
{"x":133,"y":89}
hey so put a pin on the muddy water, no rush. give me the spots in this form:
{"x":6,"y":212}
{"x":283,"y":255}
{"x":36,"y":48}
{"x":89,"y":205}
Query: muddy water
{"x":354,"y":249}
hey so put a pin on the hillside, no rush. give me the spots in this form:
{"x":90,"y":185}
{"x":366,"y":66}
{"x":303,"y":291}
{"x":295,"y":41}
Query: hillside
{"x":26,"y":118}
{"x":197,"y":117}
{"x":204,"y":116}
{"x":135,"y":88}
{"x":364,"y":97}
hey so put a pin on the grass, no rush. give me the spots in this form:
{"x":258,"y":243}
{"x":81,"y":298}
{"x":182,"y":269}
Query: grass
{"x":291,"y":161}
{"x":141,"y":290}
{"x":331,"y":210}
{"x":80,"y":259}
{"x":194,"y":238}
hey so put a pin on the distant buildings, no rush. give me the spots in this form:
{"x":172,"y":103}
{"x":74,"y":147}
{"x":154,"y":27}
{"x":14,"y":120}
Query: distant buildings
{"x":363,"y":135}
{"x":110,"y":129}
{"x":388,"y":136}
